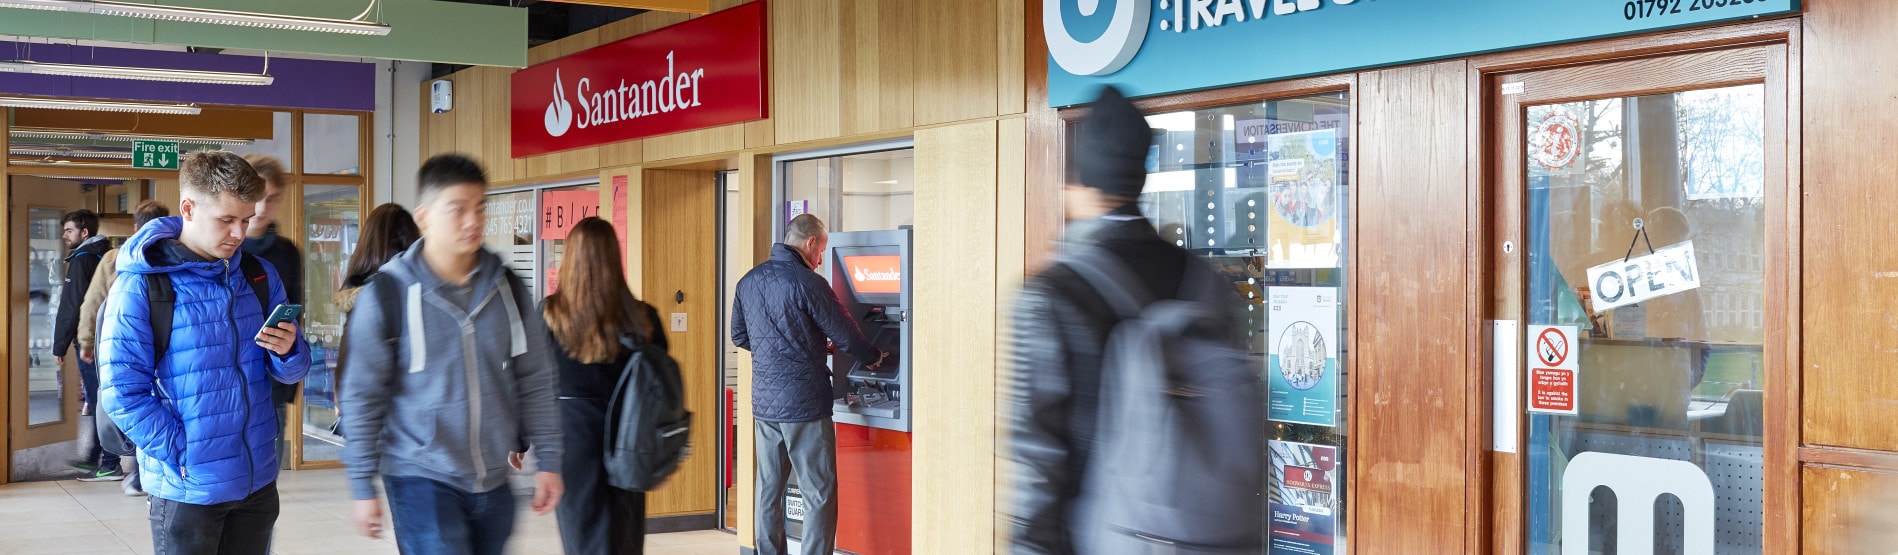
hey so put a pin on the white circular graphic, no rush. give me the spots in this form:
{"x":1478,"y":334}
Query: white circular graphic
{"x":1106,"y":54}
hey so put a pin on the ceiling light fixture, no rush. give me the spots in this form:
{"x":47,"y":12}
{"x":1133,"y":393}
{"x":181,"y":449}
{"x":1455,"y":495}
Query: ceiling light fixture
{"x":138,"y":73}
{"x":70,"y":153}
{"x":99,"y":105}
{"x":204,"y":15}
{"x":29,"y":133}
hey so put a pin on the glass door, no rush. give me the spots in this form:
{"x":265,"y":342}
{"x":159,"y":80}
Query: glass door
{"x":332,"y":219}
{"x":1642,"y":197}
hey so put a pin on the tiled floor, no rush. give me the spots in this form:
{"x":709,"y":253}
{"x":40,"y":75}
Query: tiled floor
{"x":76,"y":517}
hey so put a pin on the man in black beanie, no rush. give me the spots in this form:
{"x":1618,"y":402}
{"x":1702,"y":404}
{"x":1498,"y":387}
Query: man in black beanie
{"x":1062,"y":325}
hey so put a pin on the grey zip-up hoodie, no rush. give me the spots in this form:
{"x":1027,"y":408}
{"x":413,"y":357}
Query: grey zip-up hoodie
{"x":435,"y":391}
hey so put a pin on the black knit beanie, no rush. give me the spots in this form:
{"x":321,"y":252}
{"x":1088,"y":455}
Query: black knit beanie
{"x":1112,"y":144}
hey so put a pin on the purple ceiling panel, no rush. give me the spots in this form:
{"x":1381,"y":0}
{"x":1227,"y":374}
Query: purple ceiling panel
{"x":310,"y":84}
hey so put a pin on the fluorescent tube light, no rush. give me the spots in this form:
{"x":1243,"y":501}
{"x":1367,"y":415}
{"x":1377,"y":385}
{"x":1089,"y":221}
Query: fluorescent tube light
{"x":27,"y":133}
{"x":99,"y":105}
{"x":138,"y":73}
{"x":205,"y":15}
{"x":70,"y":153}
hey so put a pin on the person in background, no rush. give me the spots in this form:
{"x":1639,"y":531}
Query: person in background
{"x":447,"y":374}
{"x":102,"y":279}
{"x":1062,"y":324}
{"x":387,"y":232}
{"x":199,"y":409}
{"x":587,"y":316}
{"x":783,"y":312}
{"x":261,"y":241}
{"x":80,"y":230}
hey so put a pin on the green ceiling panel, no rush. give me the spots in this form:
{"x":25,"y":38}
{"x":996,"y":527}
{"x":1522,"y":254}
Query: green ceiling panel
{"x":420,"y":30}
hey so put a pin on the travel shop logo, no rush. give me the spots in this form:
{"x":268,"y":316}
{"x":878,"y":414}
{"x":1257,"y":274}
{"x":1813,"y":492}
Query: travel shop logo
{"x":614,"y":104}
{"x":1128,"y":24}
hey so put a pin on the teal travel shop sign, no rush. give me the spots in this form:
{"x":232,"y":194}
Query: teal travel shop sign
{"x":1153,"y":47}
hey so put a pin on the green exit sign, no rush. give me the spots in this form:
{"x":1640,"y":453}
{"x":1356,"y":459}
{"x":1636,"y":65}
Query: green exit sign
{"x":155,"y":155}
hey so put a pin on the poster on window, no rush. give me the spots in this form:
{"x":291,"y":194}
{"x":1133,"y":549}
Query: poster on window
{"x":1304,"y":193}
{"x":1302,"y":517}
{"x":1303,"y":361}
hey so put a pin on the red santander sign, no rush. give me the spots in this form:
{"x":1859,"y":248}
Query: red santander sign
{"x":706,"y":72}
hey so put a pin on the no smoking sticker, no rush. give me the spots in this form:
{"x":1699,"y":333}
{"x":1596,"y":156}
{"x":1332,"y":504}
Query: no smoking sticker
{"x":1553,"y":372}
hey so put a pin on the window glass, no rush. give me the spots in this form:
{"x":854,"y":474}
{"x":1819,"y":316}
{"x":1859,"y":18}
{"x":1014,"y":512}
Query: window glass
{"x":1260,"y":191}
{"x":332,"y":217}
{"x":510,"y":232}
{"x":857,"y":192}
{"x":331,"y":144}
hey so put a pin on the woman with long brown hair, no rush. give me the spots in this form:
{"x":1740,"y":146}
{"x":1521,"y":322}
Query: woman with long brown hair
{"x":589,"y":312}
{"x":387,"y":232}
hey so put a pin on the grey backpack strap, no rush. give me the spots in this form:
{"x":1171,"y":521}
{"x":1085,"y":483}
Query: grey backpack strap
{"x":1111,"y":279}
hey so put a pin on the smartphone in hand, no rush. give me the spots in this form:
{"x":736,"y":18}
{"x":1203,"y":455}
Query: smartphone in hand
{"x":283,"y":313}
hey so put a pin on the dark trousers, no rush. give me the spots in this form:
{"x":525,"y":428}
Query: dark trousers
{"x":433,"y":518}
{"x":89,"y":382}
{"x":811,"y":449}
{"x":595,"y":518}
{"x":239,"y":527}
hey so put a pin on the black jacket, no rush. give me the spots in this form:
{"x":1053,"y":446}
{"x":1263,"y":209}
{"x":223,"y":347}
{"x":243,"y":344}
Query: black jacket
{"x":289,"y":263}
{"x":1060,"y":329}
{"x":782,"y":313}
{"x":80,"y":265}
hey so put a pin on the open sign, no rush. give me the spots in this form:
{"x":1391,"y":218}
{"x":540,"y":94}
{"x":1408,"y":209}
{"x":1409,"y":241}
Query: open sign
{"x":1666,"y":272}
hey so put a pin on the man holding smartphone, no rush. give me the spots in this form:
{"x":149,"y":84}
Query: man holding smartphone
{"x":189,"y":364}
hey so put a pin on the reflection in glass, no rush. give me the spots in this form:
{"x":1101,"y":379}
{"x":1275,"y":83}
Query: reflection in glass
{"x":1259,"y":190}
{"x":870,"y":191}
{"x":45,"y":272}
{"x":331,"y":220}
{"x":1679,"y":377}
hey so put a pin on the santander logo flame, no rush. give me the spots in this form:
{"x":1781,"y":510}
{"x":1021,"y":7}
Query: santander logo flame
{"x":559,"y":113}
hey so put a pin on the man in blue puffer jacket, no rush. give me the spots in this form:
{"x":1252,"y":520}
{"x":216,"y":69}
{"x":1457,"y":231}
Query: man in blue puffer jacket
{"x":200,"y":412}
{"x":782,"y":313}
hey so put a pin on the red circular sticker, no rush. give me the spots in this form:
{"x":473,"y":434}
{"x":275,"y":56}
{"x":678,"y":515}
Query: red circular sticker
{"x":1555,"y":141}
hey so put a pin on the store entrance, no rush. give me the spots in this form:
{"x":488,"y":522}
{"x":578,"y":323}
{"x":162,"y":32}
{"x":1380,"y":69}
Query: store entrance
{"x":1636,"y":253}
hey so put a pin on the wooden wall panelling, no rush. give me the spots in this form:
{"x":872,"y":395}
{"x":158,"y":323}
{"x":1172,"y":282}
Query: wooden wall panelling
{"x":1011,"y":187}
{"x":1851,"y":294}
{"x":1858,"y":512}
{"x":806,"y":69}
{"x":681,"y":246}
{"x":1046,"y":159}
{"x":954,"y":425}
{"x":957,"y":77}
{"x":1011,"y":92}
{"x":12,"y":305}
{"x":496,"y":126}
{"x":754,"y":236}
{"x":877,"y":66}
{"x":1783,"y":297}
{"x":721,"y":139}
{"x":762,"y":133}
{"x":474,"y":107}
{"x":1410,"y":438}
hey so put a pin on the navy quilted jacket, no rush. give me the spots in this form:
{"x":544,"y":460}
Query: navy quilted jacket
{"x":782,"y":313}
{"x":201,"y":415}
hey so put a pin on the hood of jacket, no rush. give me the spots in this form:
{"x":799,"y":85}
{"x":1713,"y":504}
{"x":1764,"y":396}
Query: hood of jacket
{"x":155,"y":249}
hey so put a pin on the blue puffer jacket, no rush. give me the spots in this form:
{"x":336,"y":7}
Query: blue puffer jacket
{"x":201,"y":416}
{"x":782,"y":313}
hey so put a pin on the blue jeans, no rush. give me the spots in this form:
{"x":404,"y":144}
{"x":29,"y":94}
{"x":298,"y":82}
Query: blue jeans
{"x":435,"y":518}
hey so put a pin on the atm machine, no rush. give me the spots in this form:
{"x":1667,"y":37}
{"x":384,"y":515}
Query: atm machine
{"x":870,"y":273}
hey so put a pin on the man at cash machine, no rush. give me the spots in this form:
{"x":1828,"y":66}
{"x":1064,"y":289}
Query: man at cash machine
{"x":783,"y":313}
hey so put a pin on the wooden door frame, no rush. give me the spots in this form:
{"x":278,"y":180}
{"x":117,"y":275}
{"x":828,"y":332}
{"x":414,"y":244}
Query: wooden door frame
{"x":1497,"y":186}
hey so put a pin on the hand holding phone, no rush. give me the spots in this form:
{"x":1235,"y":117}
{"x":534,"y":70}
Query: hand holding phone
{"x":280,"y":329}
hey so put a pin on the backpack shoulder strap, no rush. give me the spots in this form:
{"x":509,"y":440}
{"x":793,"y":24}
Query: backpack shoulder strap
{"x":1102,"y":270}
{"x":162,"y":300}
{"x":259,"y":282}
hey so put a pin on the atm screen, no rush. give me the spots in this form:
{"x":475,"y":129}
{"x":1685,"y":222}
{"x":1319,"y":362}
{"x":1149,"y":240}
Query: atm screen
{"x":875,"y":274}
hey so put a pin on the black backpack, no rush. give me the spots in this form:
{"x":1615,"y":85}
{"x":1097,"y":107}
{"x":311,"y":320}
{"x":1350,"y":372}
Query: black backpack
{"x":1179,"y":462}
{"x":162,"y":300}
{"x":648,"y":430}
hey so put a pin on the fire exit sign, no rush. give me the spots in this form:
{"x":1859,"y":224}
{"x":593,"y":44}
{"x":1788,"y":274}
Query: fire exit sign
{"x":155,"y":155}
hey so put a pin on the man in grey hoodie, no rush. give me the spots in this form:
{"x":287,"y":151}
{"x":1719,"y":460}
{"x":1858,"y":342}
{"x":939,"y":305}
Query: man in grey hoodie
{"x":448,"y":372}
